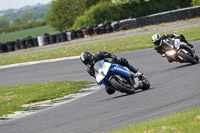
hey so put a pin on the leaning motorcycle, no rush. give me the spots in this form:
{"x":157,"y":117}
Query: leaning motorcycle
{"x":119,"y":78}
{"x":179,"y":52}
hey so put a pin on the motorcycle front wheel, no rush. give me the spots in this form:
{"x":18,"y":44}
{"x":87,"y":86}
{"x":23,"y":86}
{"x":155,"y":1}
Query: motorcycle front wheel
{"x":121,"y":87}
{"x":188,"y":58}
{"x":145,"y":83}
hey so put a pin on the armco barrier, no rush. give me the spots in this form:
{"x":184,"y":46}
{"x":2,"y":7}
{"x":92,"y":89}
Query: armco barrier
{"x":169,"y":16}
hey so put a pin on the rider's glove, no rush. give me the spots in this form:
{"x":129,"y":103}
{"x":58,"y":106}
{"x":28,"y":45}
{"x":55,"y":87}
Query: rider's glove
{"x":163,"y":55}
{"x":98,"y":83}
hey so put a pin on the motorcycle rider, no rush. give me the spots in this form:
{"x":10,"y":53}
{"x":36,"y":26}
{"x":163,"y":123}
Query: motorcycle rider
{"x":158,"y":41}
{"x":89,"y":60}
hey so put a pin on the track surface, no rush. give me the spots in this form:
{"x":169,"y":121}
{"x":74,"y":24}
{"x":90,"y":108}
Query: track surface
{"x":174,"y":87}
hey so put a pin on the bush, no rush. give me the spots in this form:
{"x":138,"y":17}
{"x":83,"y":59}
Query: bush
{"x":100,"y":13}
{"x":195,"y":2}
{"x":108,"y":12}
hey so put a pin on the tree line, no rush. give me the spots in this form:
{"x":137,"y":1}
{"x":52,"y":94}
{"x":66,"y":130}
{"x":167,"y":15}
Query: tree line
{"x":75,"y":14}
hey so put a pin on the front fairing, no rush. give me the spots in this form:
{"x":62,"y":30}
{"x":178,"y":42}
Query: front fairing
{"x":101,"y":71}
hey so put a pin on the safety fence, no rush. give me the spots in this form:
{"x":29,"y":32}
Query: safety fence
{"x":109,"y":27}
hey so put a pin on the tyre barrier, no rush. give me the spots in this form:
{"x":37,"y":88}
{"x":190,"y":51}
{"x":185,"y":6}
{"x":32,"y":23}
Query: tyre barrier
{"x":58,"y":38}
{"x":97,"y":30}
{"x":29,"y":42}
{"x":85,"y":33}
{"x":46,"y":39}
{"x":52,"y":38}
{"x":17,"y":43}
{"x":63,"y":36}
{"x":22,"y":44}
{"x":115,"y":26}
{"x":109,"y":28}
{"x":3,"y":47}
{"x":69,"y":36}
{"x":103,"y":29}
{"x":73,"y":34}
{"x":35,"y":42}
{"x":90,"y":30}
{"x":10,"y":46}
{"x":79,"y":34}
{"x":1,"y":50}
{"x":40,"y":41}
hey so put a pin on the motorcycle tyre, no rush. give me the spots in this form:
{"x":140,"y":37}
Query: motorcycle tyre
{"x":121,"y":87}
{"x":146,"y":83}
{"x":109,"y":91}
{"x":188,"y":58}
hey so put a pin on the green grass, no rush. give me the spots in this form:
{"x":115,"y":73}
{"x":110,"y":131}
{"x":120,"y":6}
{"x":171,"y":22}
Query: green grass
{"x":12,"y":97}
{"x":113,"y":46}
{"x":183,"y":122}
{"x":34,"y":32}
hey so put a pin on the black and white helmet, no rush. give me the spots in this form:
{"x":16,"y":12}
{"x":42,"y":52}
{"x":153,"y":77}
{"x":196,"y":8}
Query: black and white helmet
{"x":87,"y":58}
{"x":156,"y":39}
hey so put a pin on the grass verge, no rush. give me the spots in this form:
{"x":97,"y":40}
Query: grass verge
{"x":113,"y":46}
{"x":183,"y":122}
{"x":12,"y":97}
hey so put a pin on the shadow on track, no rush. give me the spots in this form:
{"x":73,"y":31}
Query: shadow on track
{"x":178,"y":67}
{"x":186,"y":65}
{"x":124,"y":95}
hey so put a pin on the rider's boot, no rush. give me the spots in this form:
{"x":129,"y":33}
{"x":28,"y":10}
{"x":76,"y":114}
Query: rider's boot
{"x":189,"y":44}
{"x":109,"y":91}
{"x":184,"y":40}
{"x":132,"y":69}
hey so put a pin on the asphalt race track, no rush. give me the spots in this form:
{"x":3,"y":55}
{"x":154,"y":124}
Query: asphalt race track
{"x":174,"y":87}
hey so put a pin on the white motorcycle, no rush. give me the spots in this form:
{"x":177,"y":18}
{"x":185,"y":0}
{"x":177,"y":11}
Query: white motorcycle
{"x":179,"y":52}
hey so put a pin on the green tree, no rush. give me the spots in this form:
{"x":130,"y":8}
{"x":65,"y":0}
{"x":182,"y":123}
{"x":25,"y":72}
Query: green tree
{"x":63,"y":13}
{"x":17,"y":21}
{"x":28,"y":17}
{"x":98,"y":14}
{"x":89,"y":3}
{"x":4,"y":23}
{"x":195,"y":2}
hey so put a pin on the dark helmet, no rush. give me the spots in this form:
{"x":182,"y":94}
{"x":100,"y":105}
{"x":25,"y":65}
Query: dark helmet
{"x":87,"y":58}
{"x":156,"y":39}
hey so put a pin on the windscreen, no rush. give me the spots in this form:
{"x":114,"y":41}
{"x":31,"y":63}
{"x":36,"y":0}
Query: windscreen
{"x":166,"y":45}
{"x":97,"y":66}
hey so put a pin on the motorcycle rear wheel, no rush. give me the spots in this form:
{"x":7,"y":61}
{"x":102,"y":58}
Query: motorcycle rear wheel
{"x":121,"y":87}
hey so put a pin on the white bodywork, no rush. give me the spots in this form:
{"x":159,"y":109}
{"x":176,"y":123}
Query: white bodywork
{"x":102,"y":72}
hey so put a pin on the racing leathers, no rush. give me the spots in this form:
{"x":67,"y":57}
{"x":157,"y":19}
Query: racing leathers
{"x":106,"y":56}
{"x":175,"y":39}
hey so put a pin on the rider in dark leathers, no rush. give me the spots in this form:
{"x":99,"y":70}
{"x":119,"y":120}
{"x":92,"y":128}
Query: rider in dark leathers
{"x":157,"y":40}
{"x":89,"y":59}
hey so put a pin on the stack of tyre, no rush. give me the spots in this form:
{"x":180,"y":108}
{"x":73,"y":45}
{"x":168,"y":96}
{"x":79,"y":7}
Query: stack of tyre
{"x":18,"y":44}
{"x":106,"y":28}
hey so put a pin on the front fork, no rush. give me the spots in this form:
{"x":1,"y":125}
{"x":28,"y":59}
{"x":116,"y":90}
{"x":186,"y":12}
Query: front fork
{"x":134,"y":81}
